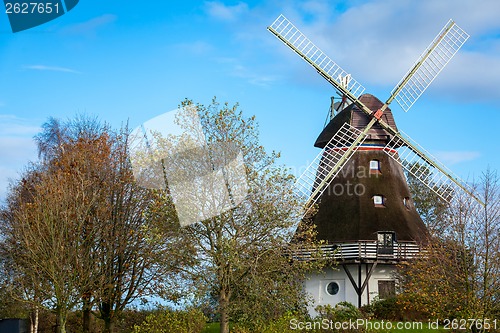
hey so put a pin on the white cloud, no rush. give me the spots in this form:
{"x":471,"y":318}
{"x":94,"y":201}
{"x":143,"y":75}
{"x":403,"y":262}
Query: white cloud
{"x":378,"y":41}
{"x":237,"y":69}
{"x":252,"y":77}
{"x":197,"y":47}
{"x":220,"y":11}
{"x":16,"y":146}
{"x":90,"y":27}
{"x":51,"y":68}
{"x":456,"y":157}
{"x":11,"y":125}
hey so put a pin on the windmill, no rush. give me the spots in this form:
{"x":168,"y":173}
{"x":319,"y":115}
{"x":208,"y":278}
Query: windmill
{"x":365,"y":132}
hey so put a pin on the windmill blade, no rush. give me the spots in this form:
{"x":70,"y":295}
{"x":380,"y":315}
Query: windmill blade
{"x":300,"y":44}
{"x":431,"y":62}
{"x":423,"y":166}
{"x":328,"y":163}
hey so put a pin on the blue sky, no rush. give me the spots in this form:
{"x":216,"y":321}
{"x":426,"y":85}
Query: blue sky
{"x":130,"y":61}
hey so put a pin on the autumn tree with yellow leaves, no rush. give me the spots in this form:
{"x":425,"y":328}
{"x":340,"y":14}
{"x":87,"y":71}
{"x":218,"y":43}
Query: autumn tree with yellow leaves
{"x":458,"y":273}
{"x":77,"y":229}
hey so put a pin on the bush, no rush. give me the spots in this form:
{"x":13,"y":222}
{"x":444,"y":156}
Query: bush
{"x":342,"y":311}
{"x":282,"y":324}
{"x":167,"y":321}
{"x":386,"y":309}
{"x":393,"y":309}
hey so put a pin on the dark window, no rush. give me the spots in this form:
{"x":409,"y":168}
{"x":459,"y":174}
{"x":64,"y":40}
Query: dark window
{"x":386,"y":289}
{"x":332,"y":288}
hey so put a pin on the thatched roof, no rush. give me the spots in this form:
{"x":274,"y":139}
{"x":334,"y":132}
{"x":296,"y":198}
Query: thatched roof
{"x":352,"y":216}
{"x":344,"y":216}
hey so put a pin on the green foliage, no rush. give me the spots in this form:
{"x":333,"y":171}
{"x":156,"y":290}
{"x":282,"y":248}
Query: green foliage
{"x":428,"y":204}
{"x":341,"y":312}
{"x":280,"y":325}
{"x":212,"y":328}
{"x":387,"y":309}
{"x":166,"y":321}
{"x":242,"y":257}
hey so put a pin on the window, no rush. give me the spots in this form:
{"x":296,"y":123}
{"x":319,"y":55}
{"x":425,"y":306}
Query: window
{"x":406,"y":202}
{"x":386,"y":240}
{"x":332,"y":288}
{"x":386,"y":289}
{"x":374,"y":167}
{"x":379,"y":201}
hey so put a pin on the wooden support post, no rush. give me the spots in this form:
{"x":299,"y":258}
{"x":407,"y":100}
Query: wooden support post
{"x":360,"y":286}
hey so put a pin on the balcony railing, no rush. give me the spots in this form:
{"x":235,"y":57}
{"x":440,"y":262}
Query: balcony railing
{"x":371,"y":250}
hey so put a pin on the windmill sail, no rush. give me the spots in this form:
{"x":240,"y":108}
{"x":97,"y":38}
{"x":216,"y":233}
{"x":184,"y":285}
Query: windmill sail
{"x":300,"y":44}
{"x":423,"y":166}
{"x":429,"y":65}
{"x":405,"y":151}
{"x":328,"y":163}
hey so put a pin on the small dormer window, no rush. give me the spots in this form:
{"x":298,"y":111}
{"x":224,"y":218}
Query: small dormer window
{"x":379,"y":201}
{"x":374,"y":167}
{"x":406,"y":202}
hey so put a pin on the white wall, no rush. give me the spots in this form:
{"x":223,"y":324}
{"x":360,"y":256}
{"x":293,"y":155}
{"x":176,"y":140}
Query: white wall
{"x":316,"y":284}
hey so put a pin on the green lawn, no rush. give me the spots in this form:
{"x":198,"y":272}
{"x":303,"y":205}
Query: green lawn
{"x":211,"y":328}
{"x":214,"y":328}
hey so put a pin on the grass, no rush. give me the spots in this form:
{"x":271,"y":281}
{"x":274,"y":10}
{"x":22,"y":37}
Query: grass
{"x":424,"y":329}
{"x":214,"y":328}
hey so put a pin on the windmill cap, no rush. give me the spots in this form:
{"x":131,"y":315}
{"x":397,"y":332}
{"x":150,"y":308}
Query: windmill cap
{"x":358,"y":119}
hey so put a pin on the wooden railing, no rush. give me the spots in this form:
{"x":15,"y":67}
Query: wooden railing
{"x":362,"y":250}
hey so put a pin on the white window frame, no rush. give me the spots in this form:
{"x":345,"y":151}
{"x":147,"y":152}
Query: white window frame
{"x":375,"y":165}
{"x":379,"y":200}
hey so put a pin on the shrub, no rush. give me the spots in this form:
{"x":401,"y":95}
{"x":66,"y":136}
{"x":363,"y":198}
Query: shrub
{"x":386,"y":309}
{"x":282,"y":324}
{"x":342,"y":311}
{"x":167,"y":321}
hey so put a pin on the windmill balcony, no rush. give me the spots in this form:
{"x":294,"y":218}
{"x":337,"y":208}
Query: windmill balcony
{"x":364,"y":251}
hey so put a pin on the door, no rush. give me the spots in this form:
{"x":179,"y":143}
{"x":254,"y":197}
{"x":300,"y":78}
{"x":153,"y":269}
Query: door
{"x":386,"y":241}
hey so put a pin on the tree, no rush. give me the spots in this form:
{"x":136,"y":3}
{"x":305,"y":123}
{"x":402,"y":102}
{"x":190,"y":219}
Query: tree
{"x":42,"y":236}
{"x":458,"y":275}
{"x":428,"y":204}
{"x":134,"y":255}
{"x":244,"y":255}
{"x":78,"y":228}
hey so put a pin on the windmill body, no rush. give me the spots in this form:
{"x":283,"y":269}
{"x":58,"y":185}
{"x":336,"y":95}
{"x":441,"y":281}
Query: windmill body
{"x":355,"y":190}
{"x":370,"y":193}
{"x":366,"y":214}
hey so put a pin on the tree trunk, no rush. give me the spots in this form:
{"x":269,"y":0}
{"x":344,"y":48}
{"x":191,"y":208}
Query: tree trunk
{"x":61,"y":322}
{"x":107,"y":314}
{"x":34,"y":320}
{"x":223,"y":310}
{"x":109,"y":325}
{"x":86,"y":315}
